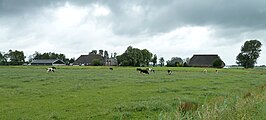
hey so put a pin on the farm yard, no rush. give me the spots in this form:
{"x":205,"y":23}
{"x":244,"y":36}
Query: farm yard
{"x":83,"y":92}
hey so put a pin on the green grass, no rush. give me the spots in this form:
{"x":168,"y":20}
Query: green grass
{"x":81,"y":92}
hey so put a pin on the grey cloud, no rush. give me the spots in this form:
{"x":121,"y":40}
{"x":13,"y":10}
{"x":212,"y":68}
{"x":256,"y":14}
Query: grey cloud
{"x":157,"y":16}
{"x":14,"y":7}
{"x":160,"y":16}
{"x":171,"y":14}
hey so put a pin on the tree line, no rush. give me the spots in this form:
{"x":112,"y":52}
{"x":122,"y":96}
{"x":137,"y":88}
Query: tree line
{"x":247,"y":58}
{"x":12,"y":58}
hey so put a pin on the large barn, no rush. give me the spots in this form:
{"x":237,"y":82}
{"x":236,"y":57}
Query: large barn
{"x":51,"y":62}
{"x":204,"y":60}
{"x":87,"y":60}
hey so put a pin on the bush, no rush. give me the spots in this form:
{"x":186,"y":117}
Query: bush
{"x":96,"y":62}
{"x":218,"y":63}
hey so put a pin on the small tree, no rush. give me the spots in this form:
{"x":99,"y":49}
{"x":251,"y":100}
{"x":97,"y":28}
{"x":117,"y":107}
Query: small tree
{"x":3,"y":59}
{"x":218,"y":63}
{"x":161,"y":60}
{"x":106,"y":55}
{"x":174,"y":62}
{"x":154,"y":60}
{"x":93,"y":52}
{"x":249,"y":54}
{"x":101,"y":52}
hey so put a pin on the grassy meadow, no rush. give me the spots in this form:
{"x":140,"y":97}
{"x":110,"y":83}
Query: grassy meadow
{"x":83,"y":92}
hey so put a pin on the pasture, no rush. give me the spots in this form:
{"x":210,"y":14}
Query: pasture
{"x":81,"y":92}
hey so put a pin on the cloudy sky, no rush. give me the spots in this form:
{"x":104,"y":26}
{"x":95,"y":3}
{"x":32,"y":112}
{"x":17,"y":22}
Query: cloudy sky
{"x":168,"y":28}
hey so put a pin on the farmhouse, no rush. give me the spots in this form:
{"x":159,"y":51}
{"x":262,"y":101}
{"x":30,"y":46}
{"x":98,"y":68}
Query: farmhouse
{"x":111,"y":62}
{"x":89,"y":60}
{"x":53,"y":62}
{"x":205,"y":60}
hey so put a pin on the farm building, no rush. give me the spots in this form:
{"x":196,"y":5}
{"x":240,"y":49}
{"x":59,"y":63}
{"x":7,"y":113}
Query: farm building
{"x":205,"y":60}
{"x":111,"y":62}
{"x":89,"y":60}
{"x":53,"y":62}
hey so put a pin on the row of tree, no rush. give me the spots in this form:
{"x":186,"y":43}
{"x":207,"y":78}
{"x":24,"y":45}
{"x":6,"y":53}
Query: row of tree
{"x":50,"y":55}
{"x":12,"y":58}
{"x":247,"y":58}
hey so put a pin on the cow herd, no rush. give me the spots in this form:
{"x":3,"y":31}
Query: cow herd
{"x":144,"y":71}
{"x":148,"y":70}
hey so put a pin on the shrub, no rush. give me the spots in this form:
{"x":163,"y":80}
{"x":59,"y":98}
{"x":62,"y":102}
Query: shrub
{"x":96,"y":62}
{"x":218,"y":63}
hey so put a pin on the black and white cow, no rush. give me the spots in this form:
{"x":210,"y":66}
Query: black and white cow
{"x":169,"y":72}
{"x":51,"y":69}
{"x":143,"y":71}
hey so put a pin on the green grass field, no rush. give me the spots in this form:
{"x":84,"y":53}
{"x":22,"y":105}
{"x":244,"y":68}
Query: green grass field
{"x":75,"y":92}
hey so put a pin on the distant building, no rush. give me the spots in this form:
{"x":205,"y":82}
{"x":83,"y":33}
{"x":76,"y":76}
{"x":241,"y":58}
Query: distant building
{"x":111,"y":62}
{"x":51,"y":62}
{"x":89,"y":60}
{"x":204,"y":60}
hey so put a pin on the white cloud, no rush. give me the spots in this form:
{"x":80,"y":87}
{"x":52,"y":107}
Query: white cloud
{"x":68,"y":15}
{"x":100,"y":10}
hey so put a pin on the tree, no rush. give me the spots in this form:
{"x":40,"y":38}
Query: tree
{"x":16,"y":57}
{"x":101,"y":52}
{"x":218,"y":63}
{"x":49,"y":55}
{"x":72,"y":60}
{"x":174,"y":62}
{"x":146,"y":55}
{"x":106,"y":55}
{"x":154,"y":60}
{"x":186,"y":61}
{"x":3,"y":59}
{"x":249,"y":54}
{"x":161,"y":61}
{"x":93,"y":52}
{"x":115,"y":54}
{"x":134,"y":57}
{"x":96,"y":62}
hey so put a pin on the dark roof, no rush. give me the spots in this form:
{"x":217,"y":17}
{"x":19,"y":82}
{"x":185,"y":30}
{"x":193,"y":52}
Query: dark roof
{"x":87,"y":59}
{"x":203,"y":60}
{"x":47,"y":61}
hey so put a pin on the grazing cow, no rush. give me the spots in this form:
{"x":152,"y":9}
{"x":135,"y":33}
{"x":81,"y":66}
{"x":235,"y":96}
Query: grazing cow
{"x":169,"y":72}
{"x":150,"y":69}
{"x":51,"y":69}
{"x":143,"y":71}
{"x":205,"y":71}
{"x":111,"y":68}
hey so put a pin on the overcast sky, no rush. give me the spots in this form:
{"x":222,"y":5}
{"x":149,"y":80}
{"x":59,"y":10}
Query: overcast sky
{"x":168,"y":28}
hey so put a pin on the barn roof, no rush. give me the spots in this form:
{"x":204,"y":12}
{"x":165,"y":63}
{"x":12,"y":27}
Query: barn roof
{"x":47,"y":61}
{"x":203,"y":60}
{"x":87,"y":59}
